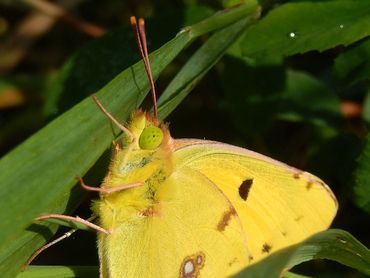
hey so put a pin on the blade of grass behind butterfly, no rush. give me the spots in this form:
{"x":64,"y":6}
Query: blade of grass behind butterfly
{"x":336,"y":245}
{"x":37,"y":176}
{"x":201,"y":62}
{"x":59,"y":272}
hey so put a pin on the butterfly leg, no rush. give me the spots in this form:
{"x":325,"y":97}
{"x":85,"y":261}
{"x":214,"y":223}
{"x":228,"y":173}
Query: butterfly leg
{"x":46,"y":246}
{"x":116,"y":146}
{"x":74,"y":219}
{"x":110,"y":190}
{"x":64,"y":236}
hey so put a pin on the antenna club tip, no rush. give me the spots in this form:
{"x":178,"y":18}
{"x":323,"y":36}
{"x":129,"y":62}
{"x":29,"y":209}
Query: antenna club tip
{"x":133,"y":20}
{"x":141,"y":21}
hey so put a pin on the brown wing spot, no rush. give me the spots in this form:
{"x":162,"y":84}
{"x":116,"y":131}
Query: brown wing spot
{"x":250,"y":258}
{"x":233,"y":261}
{"x":224,"y":221}
{"x":284,"y":233}
{"x":266,"y":248}
{"x":298,"y":218}
{"x":309,"y":185}
{"x":296,"y":176}
{"x":244,"y":188}
{"x":191,"y":265}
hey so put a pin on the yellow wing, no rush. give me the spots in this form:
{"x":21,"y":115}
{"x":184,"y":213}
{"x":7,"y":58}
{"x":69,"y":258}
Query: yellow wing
{"x":191,"y":229}
{"x":278,"y":205}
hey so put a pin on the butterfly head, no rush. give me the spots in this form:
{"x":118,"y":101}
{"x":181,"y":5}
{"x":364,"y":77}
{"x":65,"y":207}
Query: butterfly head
{"x":146,"y":151}
{"x":149,"y":134}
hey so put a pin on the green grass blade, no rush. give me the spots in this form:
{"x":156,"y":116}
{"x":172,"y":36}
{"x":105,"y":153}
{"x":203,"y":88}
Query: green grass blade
{"x":201,"y":62}
{"x":224,"y":18}
{"x":336,"y":245}
{"x":60,"y":272}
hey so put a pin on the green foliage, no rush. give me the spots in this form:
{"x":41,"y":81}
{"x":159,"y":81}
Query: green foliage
{"x":300,"y":27}
{"x":273,"y":78}
{"x":353,"y":65}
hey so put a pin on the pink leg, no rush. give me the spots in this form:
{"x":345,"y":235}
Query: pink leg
{"x":110,"y":190}
{"x":75,"y":219}
{"x":116,"y":146}
{"x":46,"y":246}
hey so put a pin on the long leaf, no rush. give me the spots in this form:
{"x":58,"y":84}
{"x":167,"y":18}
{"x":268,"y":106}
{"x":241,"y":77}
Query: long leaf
{"x":336,"y":245}
{"x":60,"y":272}
{"x":201,"y":62}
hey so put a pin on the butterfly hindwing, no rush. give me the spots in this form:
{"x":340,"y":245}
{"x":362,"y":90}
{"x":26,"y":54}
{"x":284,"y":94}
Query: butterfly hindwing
{"x":191,"y":228}
{"x":278,"y":205}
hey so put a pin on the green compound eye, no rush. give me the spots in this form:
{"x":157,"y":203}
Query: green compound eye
{"x":150,"y":138}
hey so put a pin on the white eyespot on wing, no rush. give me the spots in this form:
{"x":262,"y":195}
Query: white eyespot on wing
{"x":191,"y":265}
{"x":188,"y":268}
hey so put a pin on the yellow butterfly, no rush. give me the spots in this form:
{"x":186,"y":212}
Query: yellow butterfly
{"x":196,"y":208}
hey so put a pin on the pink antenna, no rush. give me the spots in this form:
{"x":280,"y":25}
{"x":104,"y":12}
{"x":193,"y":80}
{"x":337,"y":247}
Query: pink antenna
{"x":139,"y":31}
{"x":117,"y":123}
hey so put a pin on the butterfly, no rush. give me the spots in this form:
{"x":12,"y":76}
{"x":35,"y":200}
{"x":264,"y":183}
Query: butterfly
{"x":197,"y":208}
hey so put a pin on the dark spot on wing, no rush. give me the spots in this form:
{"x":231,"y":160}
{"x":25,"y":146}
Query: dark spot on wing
{"x":244,"y":188}
{"x":296,"y":176}
{"x":266,"y":248}
{"x":233,"y":261}
{"x":298,"y":218}
{"x":284,"y":233}
{"x":224,"y":221}
{"x":250,"y":258}
{"x":309,"y":185}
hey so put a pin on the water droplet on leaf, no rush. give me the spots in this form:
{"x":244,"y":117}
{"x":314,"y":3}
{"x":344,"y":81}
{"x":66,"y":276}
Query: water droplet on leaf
{"x":293,"y":35}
